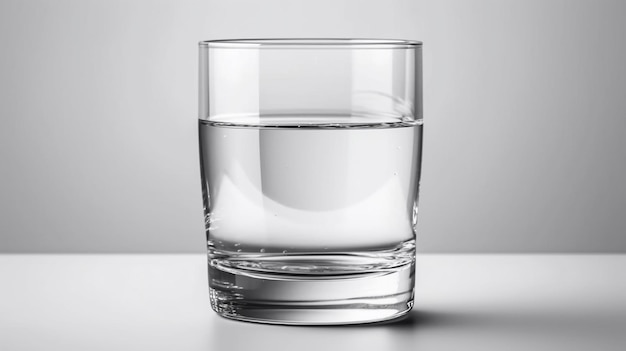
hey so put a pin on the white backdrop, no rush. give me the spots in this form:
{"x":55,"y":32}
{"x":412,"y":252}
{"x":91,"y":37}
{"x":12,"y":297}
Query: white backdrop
{"x":525,"y":111}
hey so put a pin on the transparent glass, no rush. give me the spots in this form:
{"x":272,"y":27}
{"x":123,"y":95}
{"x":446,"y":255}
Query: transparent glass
{"x":310,"y":153}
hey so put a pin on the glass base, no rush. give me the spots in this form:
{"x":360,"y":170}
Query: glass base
{"x":349,"y":298}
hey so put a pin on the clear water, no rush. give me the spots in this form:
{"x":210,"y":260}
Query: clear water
{"x":291,"y":201}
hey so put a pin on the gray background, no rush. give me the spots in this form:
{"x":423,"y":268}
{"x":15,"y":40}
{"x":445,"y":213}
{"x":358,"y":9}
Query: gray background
{"x":524,"y":109}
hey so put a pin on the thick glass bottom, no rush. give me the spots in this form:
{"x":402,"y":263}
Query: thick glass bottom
{"x":339,"y":297}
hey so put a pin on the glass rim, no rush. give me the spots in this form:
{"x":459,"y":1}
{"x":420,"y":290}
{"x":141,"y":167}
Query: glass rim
{"x":312,"y":43}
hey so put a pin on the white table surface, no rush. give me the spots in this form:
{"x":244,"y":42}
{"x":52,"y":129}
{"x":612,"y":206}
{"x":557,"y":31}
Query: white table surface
{"x":463,"y":302}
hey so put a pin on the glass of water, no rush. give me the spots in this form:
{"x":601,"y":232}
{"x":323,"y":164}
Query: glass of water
{"x":310,"y":153}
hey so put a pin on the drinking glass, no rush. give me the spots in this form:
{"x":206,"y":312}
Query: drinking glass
{"x":310,"y":153}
